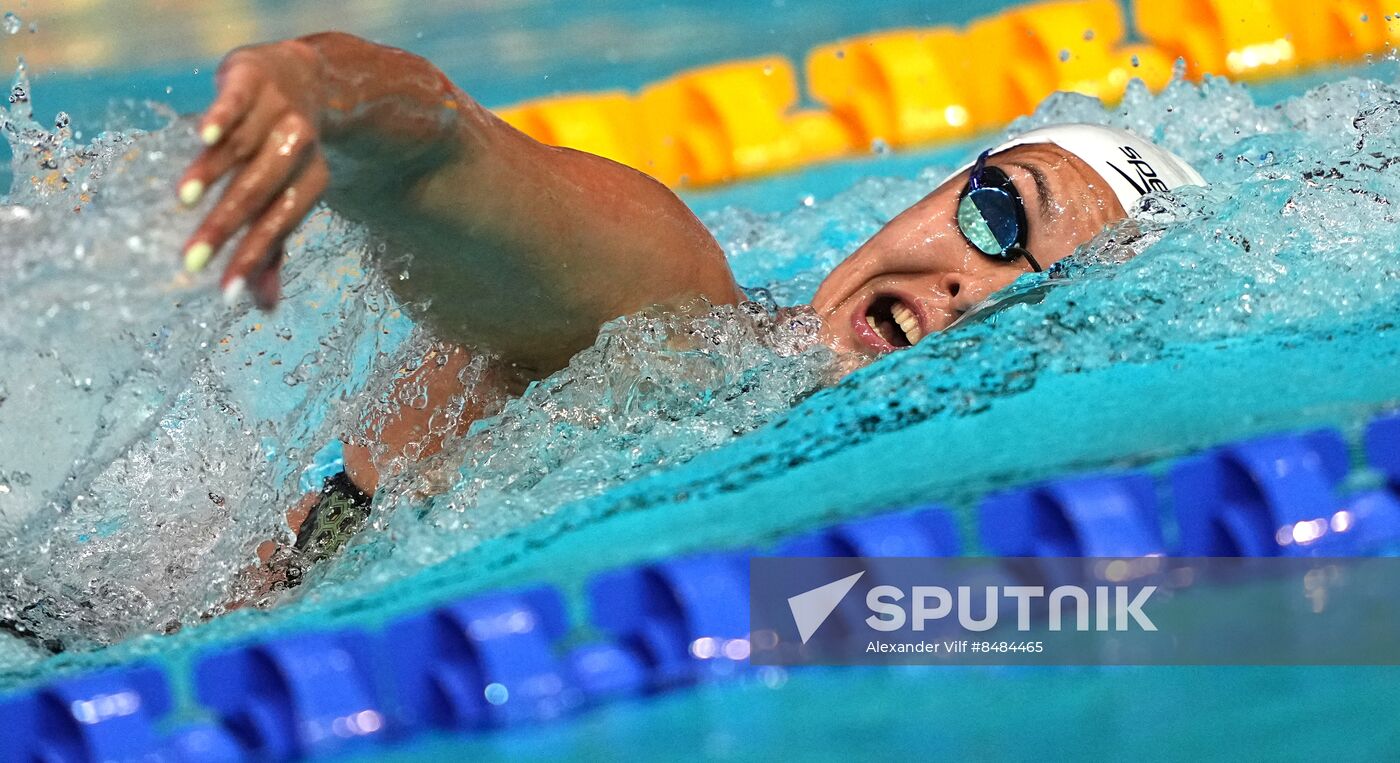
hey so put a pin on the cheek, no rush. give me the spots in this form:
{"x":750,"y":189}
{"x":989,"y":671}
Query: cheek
{"x":1071,"y":228}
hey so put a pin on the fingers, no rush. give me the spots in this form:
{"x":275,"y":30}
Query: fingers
{"x":235,"y":147}
{"x":238,"y":81}
{"x":252,"y":131}
{"x":256,"y":263}
{"x":252,"y":189}
{"x":267,"y":284}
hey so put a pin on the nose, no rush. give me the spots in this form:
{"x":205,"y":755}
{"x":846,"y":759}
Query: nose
{"x":967,"y":289}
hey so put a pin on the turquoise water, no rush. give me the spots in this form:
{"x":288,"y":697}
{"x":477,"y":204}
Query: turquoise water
{"x":960,"y":714}
{"x":168,"y":432}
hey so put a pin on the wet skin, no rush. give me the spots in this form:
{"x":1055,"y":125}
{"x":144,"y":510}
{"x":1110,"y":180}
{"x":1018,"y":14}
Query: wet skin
{"x":921,"y":260}
{"x":527,"y":249}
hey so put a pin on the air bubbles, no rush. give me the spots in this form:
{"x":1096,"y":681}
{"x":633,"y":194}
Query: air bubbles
{"x":11,"y":23}
{"x":1064,"y":55}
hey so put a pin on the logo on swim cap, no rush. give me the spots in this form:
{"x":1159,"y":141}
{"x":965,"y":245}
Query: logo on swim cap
{"x":1147,"y":178}
{"x":1139,"y":166}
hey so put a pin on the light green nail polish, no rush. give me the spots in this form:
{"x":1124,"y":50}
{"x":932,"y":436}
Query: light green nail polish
{"x":190,"y":192}
{"x":197,"y":256}
{"x":211,"y":134}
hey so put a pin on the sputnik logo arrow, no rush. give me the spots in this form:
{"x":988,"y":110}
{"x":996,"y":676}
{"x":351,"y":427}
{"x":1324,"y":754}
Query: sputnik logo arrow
{"x":811,"y":608}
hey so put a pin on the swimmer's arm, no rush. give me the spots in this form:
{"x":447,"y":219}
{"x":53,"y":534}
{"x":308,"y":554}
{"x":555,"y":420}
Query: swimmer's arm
{"x":521,"y":247}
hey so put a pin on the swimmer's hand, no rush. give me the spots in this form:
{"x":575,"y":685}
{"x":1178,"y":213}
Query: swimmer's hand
{"x":263,"y":129}
{"x":496,"y":241}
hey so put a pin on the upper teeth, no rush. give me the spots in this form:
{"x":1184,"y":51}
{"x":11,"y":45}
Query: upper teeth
{"x":908,"y":322}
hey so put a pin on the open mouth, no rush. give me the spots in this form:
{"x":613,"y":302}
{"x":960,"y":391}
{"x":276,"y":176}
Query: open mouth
{"x":895,"y":321}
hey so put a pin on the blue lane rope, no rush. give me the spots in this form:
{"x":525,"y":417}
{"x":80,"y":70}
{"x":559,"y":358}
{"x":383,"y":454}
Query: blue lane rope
{"x":500,"y":659}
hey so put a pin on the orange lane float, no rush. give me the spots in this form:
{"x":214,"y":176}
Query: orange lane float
{"x":915,"y":87}
{"x":1070,"y":46}
{"x":1242,"y":39}
{"x":733,"y":120}
{"x":905,"y":87}
{"x":605,"y":124}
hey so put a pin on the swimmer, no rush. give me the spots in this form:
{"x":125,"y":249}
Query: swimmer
{"x":525,"y":250}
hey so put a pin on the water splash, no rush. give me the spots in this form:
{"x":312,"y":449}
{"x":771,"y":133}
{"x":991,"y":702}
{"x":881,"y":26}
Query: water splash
{"x":170,"y":435}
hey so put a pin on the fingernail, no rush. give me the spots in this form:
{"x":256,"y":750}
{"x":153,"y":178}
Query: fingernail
{"x":234,"y":290}
{"x":190,"y":191}
{"x":211,"y":134}
{"x":197,"y":256}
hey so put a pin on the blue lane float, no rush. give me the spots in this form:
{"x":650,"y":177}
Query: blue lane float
{"x":308,"y":694}
{"x":500,"y":659}
{"x":1374,"y":515}
{"x":685,"y":619}
{"x":924,"y":531}
{"x":1273,"y":496}
{"x":111,"y":715}
{"x":484,"y":662}
{"x":1109,"y":515}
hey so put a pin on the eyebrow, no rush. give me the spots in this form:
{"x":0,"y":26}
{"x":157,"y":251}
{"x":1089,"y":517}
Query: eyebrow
{"x":1042,"y":186}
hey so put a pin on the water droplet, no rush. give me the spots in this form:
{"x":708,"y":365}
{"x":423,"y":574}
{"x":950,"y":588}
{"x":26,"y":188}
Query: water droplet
{"x":12,"y":23}
{"x":1064,"y":55}
{"x":1136,"y":61}
{"x":496,"y":693}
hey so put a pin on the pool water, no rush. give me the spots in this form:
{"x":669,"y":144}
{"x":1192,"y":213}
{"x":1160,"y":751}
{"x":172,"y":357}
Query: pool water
{"x":166,"y":434}
{"x":1025,"y":714}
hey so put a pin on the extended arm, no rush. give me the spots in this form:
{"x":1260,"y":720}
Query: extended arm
{"x":517,"y":246}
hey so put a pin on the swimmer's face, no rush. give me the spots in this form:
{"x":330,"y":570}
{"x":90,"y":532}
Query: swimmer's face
{"x":920,"y":271}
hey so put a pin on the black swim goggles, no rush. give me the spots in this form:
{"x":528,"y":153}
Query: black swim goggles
{"x":992,"y":216}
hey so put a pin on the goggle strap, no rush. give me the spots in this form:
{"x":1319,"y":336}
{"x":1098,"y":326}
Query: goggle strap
{"x":1035,"y":266}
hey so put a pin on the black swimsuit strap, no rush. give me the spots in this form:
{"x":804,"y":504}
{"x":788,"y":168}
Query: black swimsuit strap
{"x":342,"y":512}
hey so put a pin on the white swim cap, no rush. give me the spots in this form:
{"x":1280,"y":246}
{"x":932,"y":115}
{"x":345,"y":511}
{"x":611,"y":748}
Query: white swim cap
{"x":1131,"y":165}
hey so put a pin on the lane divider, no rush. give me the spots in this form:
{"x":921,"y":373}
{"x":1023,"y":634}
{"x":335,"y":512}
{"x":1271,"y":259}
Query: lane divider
{"x":507,"y":658}
{"x":1267,"y":497}
{"x":919,"y":87}
{"x":1105,"y":515}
